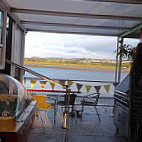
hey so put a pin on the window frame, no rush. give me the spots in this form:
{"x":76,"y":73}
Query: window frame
{"x":3,"y":38}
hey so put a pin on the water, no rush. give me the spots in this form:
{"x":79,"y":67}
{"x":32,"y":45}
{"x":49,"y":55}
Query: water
{"x":75,"y":74}
{"x":66,"y":74}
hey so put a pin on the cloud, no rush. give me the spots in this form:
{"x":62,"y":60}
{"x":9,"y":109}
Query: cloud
{"x":69,"y":46}
{"x":72,"y":51}
{"x":103,"y":44}
{"x":70,"y":43}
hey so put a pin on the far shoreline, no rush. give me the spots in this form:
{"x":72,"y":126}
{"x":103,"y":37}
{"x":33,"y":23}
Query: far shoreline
{"x":73,"y":68}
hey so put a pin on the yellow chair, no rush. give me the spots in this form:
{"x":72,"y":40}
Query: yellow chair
{"x":42,"y":105}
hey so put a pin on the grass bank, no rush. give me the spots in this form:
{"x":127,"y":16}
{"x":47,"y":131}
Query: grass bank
{"x":97,"y":65}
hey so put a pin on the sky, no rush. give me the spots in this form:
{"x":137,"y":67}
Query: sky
{"x":71,"y":46}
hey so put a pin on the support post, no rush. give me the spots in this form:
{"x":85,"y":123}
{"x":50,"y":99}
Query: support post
{"x":120,"y":62}
{"x":116,"y":66}
{"x":67,"y":104}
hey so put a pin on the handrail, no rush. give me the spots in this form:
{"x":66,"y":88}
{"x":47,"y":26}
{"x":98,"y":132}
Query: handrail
{"x":35,"y":73}
{"x":51,"y":81}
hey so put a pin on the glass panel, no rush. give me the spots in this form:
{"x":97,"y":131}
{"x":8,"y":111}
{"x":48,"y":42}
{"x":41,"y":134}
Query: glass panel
{"x":1,"y":25}
{"x":13,"y":97}
{"x":0,"y":55}
{"x":7,"y":22}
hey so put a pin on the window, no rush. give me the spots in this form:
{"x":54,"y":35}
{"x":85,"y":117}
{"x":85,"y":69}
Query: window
{"x":2,"y":38}
{"x":1,"y":26}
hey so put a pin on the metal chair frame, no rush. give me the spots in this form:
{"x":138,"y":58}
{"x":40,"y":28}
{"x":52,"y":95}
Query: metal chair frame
{"x":90,"y":100}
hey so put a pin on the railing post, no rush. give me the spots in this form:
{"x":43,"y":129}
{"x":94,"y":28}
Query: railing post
{"x":55,"y":111}
{"x":25,"y":82}
{"x":120,"y":62}
{"x":118,"y":68}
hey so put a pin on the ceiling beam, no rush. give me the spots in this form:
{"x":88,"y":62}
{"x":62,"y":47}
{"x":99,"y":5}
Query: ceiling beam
{"x":117,"y":1}
{"x":74,"y":25}
{"x":66,"y":32}
{"x":79,"y":15}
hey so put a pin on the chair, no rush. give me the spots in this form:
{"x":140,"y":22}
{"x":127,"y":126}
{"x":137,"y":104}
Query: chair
{"x":68,"y":100}
{"x":90,"y":100}
{"x":42,"y":105}
{"x":66,"y":104}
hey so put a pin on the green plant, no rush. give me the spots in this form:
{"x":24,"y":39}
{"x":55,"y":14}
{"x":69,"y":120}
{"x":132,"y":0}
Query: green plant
{"x":127,"y":51}
{"x":131,"y":53}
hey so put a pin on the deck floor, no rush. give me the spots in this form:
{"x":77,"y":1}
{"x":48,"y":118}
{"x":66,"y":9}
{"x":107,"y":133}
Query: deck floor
{"x":87,"y":130}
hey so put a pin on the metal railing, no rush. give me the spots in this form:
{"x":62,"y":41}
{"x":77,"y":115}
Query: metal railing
{"x":105,"y":101}
{"x":64,"y":87}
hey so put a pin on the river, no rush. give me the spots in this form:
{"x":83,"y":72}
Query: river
{"x":67,"y":74}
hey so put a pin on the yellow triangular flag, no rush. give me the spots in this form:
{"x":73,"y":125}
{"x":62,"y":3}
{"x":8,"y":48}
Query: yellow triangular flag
{"x":52,"y":81}
{"x":33,"y":82}
{"x":107,"y":87}
{"x":42,"y":83}
{"x":88,"y":88}
{"x":70,"y":84}
{"x":52,"y":85}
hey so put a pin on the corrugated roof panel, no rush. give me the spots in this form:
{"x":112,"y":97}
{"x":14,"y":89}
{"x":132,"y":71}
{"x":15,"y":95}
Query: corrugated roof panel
{"x":79,"y":16}
{"x":91,"y":7}
{"x":76,"y":20}
{"x":73,"y":30}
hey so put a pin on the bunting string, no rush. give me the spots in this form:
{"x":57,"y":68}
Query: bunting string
{"x":70,"y":83}
{"x":42,"y":83}
{"x":107,"y":87}
{"x":79,"y":86}
{"x":97,"y":88}
{"x":88,"y":88}
{"x":62,"y":82}
{"x":52,"y":85}
{"x":33,"y":82}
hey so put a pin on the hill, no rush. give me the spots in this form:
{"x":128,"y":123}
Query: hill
{"x":77,"y":62}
